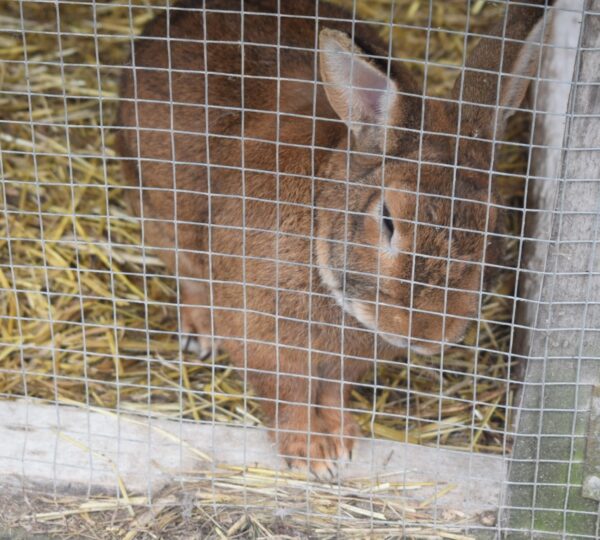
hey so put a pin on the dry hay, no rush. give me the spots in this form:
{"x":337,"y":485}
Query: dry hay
{"x":243,"y":503}
{"x":85,"y":325}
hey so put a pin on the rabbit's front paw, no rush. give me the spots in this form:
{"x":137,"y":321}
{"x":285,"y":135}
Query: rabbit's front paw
{"x":322,"y":447}
{"x":201,"y":347}
{"x":196,"y":332}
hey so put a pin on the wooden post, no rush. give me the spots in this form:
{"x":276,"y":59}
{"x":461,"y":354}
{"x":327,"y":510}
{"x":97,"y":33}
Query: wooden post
{"x":560,"y":294}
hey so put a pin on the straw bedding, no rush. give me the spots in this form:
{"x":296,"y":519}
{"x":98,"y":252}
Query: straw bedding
{"x":93,"y":321}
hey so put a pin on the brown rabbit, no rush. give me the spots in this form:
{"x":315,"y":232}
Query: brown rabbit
{"x":298,"y":246}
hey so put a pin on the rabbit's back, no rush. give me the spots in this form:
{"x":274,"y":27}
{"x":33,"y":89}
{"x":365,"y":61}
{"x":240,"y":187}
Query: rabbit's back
{"x":262,"y":186}
{"x":260,"y":139}
{"x":278,"y":74}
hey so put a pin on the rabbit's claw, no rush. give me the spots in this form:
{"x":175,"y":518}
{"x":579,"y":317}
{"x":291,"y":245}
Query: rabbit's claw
{"x":201,"y":347}
{"x":323,"y":449}
{"x":196,"y":339}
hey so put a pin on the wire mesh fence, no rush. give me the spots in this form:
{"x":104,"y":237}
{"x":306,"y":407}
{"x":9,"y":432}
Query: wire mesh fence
{"x":321,"y":221}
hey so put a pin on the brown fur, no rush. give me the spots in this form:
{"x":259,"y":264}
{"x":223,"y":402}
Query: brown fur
{"x":299,"y":358}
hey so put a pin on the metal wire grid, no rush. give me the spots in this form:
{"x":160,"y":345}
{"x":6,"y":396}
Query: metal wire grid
{"x":78,"y":243}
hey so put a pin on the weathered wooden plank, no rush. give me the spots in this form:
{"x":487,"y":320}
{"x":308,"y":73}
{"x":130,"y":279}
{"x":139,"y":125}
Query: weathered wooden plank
{"x":560,"y":288}
{"x":73,"y":450}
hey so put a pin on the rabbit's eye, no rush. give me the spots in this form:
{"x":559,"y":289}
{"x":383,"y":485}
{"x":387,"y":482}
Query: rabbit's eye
{"x":387,"y":221}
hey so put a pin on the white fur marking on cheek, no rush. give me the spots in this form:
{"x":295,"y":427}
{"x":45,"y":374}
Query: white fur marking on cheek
{"x":330,"y":281}
{"x":363,"y":314}
{"x":423,"y":351}
{"x":332,"y":284}
{"x":397,"y":341}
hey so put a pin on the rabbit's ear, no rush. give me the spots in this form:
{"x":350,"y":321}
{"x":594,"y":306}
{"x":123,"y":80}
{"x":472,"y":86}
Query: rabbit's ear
{"x":525,"y":66}
{"x":360,"y":93}
{"x":517,"y":58}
